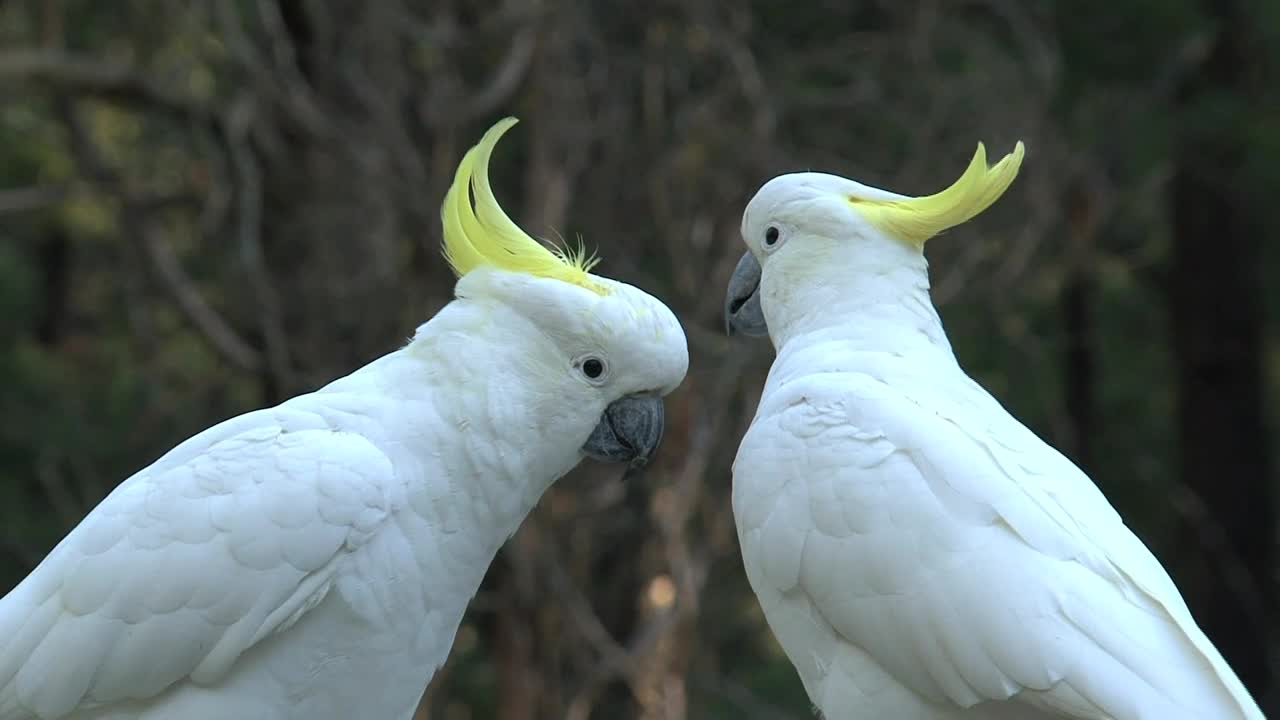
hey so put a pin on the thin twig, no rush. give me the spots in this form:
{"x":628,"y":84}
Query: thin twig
{"x":205,"y":319}
{"x":32,"y":198}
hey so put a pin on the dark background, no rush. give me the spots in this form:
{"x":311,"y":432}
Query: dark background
{"x":206,"y":207}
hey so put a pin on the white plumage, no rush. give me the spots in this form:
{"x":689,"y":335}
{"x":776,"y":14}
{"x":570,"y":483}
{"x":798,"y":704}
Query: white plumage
{"x":918,"y":552}
{"x":215,"y":550}
{"x":312,"y":561}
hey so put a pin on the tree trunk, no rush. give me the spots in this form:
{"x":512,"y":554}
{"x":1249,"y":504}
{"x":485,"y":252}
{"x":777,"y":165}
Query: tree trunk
{"x":54,"y":256}
{"x":1078,"y":324}
{"x":1217,"y":307}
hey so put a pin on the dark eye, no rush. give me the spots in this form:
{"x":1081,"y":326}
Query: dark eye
{"x":771,"y":236}
{"x":593,"y":368}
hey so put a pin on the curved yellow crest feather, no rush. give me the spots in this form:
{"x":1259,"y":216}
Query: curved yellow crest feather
{"x":483,"y":235}
{"x":918,"y":219}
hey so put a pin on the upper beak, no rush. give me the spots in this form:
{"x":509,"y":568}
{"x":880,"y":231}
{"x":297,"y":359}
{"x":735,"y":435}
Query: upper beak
{"x":742,"y":312}
{"x":629,"y":431}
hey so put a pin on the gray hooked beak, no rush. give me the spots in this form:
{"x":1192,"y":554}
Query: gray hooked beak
{"x":742,"y":313}
{"x":629,"y":431}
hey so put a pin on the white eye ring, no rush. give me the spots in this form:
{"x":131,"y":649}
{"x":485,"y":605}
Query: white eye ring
{"x":593,"y":368}
{"x":773,"y":238}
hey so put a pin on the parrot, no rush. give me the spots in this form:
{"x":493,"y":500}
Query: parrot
{"x":917,"y":552}
{"x":313,"y":560}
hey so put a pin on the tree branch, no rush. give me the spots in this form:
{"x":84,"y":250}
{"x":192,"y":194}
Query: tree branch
{"x":249,"y":194}
{"x":31,"y":198}
{"x":98,"y":77}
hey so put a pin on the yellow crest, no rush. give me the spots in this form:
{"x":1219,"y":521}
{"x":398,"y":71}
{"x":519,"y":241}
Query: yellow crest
{"x":918,"y":219}
{"x":482,"y":234}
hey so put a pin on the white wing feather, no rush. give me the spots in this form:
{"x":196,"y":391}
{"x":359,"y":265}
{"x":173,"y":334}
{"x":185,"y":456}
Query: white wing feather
{"x":230,"y":537}
{"x":967,"y":558}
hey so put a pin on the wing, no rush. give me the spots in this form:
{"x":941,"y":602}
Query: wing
{"x":230,"y":537}
{"x":968,"y":558}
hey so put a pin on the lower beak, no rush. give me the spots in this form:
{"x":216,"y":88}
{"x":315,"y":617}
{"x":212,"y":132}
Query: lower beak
{"x":629,"y":431}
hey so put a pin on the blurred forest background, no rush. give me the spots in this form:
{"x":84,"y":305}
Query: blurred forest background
{"x":206,"y":207}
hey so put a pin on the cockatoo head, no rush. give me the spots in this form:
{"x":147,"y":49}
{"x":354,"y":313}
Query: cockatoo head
{"x":601,"y":353}
{"x":800,"y":222}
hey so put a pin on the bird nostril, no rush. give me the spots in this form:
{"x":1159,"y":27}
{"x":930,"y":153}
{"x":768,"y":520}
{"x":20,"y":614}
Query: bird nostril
{"x":736,"y":305}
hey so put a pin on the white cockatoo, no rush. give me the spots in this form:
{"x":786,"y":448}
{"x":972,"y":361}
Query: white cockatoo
{"x":919,"y":553}
{"x":312,"y":561}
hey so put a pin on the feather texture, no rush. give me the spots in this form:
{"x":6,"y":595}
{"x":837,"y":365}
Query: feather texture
{"x":313,"y":561}
{"x":954,"y":556}
{"x":918,"y":552}
{"x":230,"y":538}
